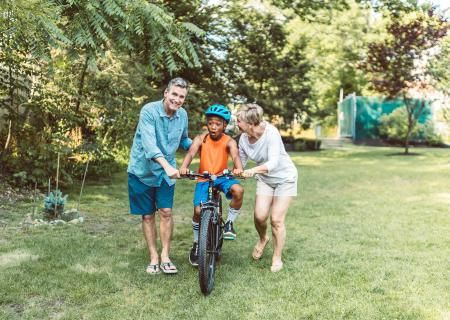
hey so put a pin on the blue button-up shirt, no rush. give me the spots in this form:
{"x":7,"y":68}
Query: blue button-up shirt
{"x":157,"y":135}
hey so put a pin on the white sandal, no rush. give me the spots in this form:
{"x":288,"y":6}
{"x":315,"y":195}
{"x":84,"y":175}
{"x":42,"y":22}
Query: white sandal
{"x":153,"y":269}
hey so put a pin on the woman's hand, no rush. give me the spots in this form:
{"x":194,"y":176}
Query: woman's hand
{"x":249,"y":173}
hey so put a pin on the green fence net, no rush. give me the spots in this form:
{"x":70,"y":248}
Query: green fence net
{"x":359,"y":117}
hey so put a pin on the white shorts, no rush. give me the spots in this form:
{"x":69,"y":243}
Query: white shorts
{"x":285,"y":189}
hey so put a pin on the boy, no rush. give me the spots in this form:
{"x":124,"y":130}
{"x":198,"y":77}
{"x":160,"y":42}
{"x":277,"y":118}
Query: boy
{"x":215,"y":147}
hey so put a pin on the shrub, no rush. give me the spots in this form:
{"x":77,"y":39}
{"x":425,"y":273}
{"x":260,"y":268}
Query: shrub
{"x":429,"y":135}
{"x":54,"y":203}
{"x":394,"y":126}
{"x":312,"y":144}
{"x":293,"y":144}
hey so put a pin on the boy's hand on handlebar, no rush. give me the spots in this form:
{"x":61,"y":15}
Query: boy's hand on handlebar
{"x":184,"y":171}
{"x":238,"y":172}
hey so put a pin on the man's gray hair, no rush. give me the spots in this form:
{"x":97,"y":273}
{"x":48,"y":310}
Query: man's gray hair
{"x":250,"y":113}
{"x":178,"y":82}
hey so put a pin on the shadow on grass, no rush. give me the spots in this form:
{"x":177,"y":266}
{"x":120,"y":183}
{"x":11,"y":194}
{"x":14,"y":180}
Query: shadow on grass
{"x":403,"y":154}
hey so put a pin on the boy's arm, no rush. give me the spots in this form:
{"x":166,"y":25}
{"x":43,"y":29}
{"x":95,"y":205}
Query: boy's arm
{"x":193,"y":149}
{"x":234,"y":153}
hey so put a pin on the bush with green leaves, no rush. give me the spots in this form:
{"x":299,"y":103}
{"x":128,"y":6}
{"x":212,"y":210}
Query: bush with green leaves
{"x":429,"y":135}
{"x":72,"y":81}
{"x":294,"y":144}
{"x":393,"y":127}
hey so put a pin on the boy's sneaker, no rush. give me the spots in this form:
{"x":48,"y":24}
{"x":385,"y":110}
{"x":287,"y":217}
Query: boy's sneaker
{"x":193,"y":255}
{"x":228,"y":231}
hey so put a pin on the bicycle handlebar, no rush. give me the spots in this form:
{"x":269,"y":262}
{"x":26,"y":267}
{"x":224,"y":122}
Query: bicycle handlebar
{"x":209,"y":176}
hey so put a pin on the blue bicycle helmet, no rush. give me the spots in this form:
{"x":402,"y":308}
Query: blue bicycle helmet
{"x":219,"y":110}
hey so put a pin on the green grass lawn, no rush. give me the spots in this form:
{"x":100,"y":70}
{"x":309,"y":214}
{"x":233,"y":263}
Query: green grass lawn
{"x":367,"y":238}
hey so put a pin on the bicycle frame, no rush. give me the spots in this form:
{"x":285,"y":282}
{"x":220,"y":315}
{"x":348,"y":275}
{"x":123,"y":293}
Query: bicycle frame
{"x":211,"y":231}
{"x":214,"y":198}
{"x":213,"y":202}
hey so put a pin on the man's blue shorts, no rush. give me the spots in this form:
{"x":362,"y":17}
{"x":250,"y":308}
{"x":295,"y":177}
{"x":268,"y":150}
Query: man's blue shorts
{"x":224,"y":184}
{"x":145,"y":200}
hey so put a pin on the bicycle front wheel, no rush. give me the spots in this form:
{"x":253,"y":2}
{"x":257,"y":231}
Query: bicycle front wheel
{"x":207,"y":249}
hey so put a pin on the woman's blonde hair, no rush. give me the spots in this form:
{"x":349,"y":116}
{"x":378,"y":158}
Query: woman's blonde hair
{"x":250,"y":113}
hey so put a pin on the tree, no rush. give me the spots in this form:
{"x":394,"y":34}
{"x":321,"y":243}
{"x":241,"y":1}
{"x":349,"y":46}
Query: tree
{"x":208,"y":82}
{"x":440,"y":77}
{"x":308,"y":9}
{"x":28,"y":31}
{"x":239,"y":42}
{"x":262,"y":68}
{"x":439,"y":67}
{"x":333,"y":47}
{"x":59,"y":90}
{"x":394,"y":8}
{"x":397,"y":65}
{"x":146,"y":31}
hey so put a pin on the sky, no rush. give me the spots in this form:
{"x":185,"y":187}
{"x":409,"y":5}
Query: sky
{"x":442,"y":3}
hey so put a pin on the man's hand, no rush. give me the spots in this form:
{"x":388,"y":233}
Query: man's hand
{"x":184,"y":171}
{"x":172,"y":173}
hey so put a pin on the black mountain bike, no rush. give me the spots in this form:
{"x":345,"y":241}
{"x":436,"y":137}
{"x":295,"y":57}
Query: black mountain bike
{"x":210,"y":232}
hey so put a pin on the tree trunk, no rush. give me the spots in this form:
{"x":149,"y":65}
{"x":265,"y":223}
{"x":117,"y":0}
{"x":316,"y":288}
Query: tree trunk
{"x":81,"y":85}
{"x":412,"y":119}
{"x":107,"y":133}
{"x":9,"y":135}
{"x":408,"y":134}
{"x":11,"y":90}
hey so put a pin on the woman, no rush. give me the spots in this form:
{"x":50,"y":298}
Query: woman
{"x":276,"y":178}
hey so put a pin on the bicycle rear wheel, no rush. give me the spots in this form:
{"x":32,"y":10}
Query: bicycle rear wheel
{"x":207,"y":250}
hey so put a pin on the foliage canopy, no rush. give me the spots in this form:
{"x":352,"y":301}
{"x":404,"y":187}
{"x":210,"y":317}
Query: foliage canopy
{"x":74,"y":74}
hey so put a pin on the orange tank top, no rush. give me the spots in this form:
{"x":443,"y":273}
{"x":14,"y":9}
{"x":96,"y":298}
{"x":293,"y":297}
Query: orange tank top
{"x":214,"y":155}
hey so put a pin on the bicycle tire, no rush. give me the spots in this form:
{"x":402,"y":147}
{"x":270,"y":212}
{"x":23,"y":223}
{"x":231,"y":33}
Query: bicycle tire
{"x":206,"y":252}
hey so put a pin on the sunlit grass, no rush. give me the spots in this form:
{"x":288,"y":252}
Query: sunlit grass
{"x":367,"y":238}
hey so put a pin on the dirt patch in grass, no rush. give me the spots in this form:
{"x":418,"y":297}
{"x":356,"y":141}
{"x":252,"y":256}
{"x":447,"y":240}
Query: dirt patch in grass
{"x":17,"y":308}
{"x":10,"y":195}
{"x":98,"y":227}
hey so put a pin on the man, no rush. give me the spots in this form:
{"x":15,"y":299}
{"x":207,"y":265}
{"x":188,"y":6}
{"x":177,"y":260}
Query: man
{"x":162,"y":128}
